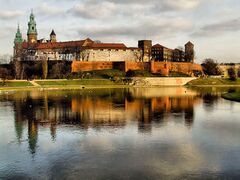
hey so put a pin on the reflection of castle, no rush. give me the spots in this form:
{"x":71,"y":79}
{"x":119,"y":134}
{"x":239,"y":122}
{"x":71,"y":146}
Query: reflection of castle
{"x":114,"y":108}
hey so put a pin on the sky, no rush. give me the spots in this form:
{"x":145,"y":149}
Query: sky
{"x":212,"y":25}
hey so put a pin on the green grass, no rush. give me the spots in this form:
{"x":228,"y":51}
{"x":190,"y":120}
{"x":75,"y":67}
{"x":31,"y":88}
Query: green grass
{"x":177,"y":74}
{"x":16,"y":84}
{"x":108,"y":73}
{"x":139,"y":73}
{"x":234,"y":96}
{"x":99,"y":74}
{"x":213,"y":81}
{"x":77,"y":82}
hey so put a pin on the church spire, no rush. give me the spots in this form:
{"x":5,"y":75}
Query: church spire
{"x":32,"y":29}
{"x":18,"y":36}
{"x":17,"y":43}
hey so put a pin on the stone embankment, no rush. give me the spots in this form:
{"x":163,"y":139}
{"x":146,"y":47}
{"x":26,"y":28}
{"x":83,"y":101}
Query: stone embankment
{"x":158,"y":81}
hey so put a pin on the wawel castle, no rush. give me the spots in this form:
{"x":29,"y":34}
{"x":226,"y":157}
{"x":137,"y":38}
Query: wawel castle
{"x":34,"y":49}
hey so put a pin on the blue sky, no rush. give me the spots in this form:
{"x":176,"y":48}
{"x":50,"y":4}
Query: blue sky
{"x":212,"y":25}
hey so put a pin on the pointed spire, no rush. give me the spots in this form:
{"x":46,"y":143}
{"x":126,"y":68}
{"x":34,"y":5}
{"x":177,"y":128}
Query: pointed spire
{"x":52,"y":33}
{"x":18,"y":28}
{"x":18,"y":36}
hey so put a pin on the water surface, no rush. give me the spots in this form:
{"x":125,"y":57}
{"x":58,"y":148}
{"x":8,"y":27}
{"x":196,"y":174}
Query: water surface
{"x":136,"y":133}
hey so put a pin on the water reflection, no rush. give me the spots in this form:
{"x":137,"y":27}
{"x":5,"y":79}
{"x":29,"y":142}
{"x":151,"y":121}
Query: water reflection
{"x":136,"y":133}
{"x":99,"y":109}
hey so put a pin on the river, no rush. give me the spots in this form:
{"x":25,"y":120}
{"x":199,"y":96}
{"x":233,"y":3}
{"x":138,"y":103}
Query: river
{"x":135,"y":133}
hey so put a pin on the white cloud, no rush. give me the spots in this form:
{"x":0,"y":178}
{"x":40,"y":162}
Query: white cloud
{"x":93,"y":11}
{"x":49,"y":10}
{"x":218,"y":28}
{"x":6,"y":15}
{"x":180,"y":4}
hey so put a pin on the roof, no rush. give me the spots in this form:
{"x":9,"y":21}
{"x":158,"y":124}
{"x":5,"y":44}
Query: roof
{"x":87,"y":43}
{"x":189,"y":43}
{"x":56,"y":45}
{"x":52,"y":33}
{"x":160,"y":46}
{"x":109,"y":45}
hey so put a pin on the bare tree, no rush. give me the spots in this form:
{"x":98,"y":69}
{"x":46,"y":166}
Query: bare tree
{"x":232,"y":74}
{"x":210,"y":67}
{"x":3,"y":74}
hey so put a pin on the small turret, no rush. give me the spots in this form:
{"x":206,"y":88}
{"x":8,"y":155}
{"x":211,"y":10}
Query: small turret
{"x":53,"y":37}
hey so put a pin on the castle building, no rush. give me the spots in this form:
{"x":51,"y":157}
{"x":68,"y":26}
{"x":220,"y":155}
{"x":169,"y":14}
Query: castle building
{"x":89,"y":50}
{"x":161,"y":53}
{"x":81,"y":50}
{"x":164,"y":54}
{"x":178,"y":55}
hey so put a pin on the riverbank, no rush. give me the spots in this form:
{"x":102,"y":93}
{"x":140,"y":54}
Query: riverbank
{"x":234,"y":96}
{"x":95,"y":83}
{"x":214,"y":82}
{"x":116,"y":83}
{"x":59,"y":84}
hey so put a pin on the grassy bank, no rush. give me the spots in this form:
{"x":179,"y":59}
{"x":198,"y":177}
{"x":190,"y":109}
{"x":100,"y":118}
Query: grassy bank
{"x":214,"y":82}
{"x":15,"y":84}
{"x":77,"y":82}
{"x":235,"y":96}
{"x":59,"y":84}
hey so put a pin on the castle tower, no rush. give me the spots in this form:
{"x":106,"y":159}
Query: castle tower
{"x":17,"y":43}
{"x":189,"y":51}
{"x":146,"y":46}
{"x":32,"y":29}
{"x":53,"y":37}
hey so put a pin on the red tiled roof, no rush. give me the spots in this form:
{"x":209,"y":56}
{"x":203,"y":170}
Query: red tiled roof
{"x":108,"y":45}
{"x":87,"y":43}
{"x":56,"y":45}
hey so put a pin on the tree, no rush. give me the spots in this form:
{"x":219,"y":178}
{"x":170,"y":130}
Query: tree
{"x":232,"y":74}
{"x":60,"y":70}
{"x":210,"y":67}
{"x":3,"y":74}
{"x":44,"y":67}
{"x":238,"y":73}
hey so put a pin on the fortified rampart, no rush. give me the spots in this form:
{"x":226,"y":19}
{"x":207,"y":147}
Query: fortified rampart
{"x":162,"y":68}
